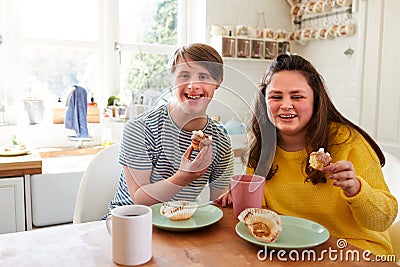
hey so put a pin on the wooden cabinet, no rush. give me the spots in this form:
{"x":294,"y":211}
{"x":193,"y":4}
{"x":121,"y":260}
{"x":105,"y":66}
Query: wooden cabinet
{"x":248,"y":48}
{"x":12,"y":208}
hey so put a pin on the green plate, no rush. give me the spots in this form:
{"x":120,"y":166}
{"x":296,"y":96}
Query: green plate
{"x":296,"y":233}
{"x":203,"y":217}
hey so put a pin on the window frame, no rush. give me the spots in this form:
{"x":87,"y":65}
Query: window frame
{"x":108,"y":73}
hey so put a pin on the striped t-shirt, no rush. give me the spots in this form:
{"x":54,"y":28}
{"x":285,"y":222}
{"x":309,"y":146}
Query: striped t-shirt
{"x":152,"y":141}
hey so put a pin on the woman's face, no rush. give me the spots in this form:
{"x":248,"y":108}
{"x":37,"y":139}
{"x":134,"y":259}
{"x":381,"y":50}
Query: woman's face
{"x":291,"y":102}
{"x":194,"y":86}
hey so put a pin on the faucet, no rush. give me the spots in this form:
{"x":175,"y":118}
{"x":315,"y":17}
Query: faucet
{"x":80,"y":140}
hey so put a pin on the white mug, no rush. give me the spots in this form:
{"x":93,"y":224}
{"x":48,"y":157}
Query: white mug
{"x":322,"y":7}
{"x":323,"y":33}
{"x":346,"y":29}
{"x":306,"y":35}
{"x":332,"y":31}
{"x":297,"y":10}
{"x":310,"y":7}
{"x":297,"y":35}
{"x":131,"y":230}
{"x":343,"y":3}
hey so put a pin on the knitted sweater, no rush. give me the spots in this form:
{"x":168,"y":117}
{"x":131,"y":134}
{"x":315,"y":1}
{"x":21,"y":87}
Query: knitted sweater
{"x":362,"y":220}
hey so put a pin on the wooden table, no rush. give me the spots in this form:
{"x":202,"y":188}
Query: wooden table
{"x":89,"y":244}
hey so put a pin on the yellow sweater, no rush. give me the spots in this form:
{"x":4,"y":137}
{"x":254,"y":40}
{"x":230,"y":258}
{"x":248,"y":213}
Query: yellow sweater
{"x":362,"y":220}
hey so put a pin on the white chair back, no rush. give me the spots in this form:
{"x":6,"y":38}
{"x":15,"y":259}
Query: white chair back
{"x":98,"y":185}
{"x":391,"y":172}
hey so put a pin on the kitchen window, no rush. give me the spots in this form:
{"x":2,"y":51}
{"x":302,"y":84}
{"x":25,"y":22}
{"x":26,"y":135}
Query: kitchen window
{"x":108,"y":47}
{"x":144,"y":49}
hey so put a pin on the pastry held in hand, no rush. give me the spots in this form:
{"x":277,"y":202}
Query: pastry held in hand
{"x":319,"y":159}
{"x":200,"y":137}
{"x":265,"y":225}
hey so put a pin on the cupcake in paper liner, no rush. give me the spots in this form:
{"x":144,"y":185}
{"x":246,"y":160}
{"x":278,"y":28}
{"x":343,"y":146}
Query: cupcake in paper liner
{"x":265,"y":225}
{"x":200,"y":137}
{"x":177,"y":210}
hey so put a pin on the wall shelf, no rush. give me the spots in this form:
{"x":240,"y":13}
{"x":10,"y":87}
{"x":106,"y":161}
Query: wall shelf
{"x":244,"y":48}
{"x":238,"y":59}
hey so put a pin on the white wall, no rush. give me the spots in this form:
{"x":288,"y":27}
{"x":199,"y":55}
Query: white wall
{"x":236,"y":94}
{"x":342,"y":74}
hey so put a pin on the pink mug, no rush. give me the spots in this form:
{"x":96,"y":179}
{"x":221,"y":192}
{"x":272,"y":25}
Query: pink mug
{"x":247,"y":191}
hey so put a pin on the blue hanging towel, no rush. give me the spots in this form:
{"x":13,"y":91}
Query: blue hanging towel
{"x":75,"y":116}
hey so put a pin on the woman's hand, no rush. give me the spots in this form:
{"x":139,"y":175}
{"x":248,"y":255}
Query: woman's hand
{"x":345,"y":176}
{"x":225,"y":199}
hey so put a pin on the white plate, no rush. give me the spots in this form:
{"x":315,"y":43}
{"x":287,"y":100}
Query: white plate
{"x":12,"y":151}
{"x":296,"y":233}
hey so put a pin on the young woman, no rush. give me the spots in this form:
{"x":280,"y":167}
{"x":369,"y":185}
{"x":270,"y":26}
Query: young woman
{"x":159,"y":163}
{"x":294,"y":117}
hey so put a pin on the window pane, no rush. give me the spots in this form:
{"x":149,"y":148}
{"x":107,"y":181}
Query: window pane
{"x":59,"y":70}
{"x":149,"y":21}
{"x":66,"y":20}
{"x":141,"y":72}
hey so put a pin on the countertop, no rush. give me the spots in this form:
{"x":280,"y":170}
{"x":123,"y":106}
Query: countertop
{"x":20,"y":165}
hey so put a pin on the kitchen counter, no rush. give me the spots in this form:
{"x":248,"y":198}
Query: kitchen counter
{"x":15,"y":173}
{"x":51,"y":152}
{"x":20,"y":165}
{"x":44,"y":176}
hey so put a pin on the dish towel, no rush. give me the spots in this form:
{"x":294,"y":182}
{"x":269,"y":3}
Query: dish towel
{"x":75,"y":116}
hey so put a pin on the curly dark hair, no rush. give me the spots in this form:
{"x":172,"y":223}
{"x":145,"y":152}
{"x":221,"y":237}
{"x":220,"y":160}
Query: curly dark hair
{"x":264,"y":135}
